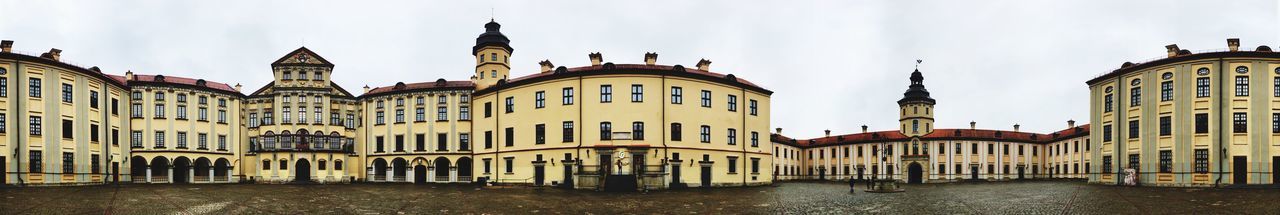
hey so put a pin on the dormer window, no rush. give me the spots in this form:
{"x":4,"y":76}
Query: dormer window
{"x":319,"y":76}
{"x":286,"y":76}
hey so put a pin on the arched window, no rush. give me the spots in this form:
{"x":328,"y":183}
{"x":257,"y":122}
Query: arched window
{"x":337,"y":164}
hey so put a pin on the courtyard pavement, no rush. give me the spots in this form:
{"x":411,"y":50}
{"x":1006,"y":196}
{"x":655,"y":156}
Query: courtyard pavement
{"x":1036,"y":197}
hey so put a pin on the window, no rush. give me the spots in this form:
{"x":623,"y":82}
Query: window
{"x":1135,"y":96}
{"x":566,"y":135}
{"x":540,"y":134}
{"x":539,"y":99}
{"x":203,"y":100}
{"x":1202,"y":161}
{"x":1240,"y":123}
{"x":488,"y":110}
{"x":442,"y":113}
{"x":442,"y":142}
{"x":511,"y":103}
{"x":1133,"y":129}
{"x":1202,"y":87}
{"x":115,"y":106}
{"x":488,"y":139}
{"x":93,"y":97}
{"x":222,"y":142}
{"x":322,"y":165}
{"x":755,"y":142}
{"x":510,"y":137}
{"x":1110,"y":104}
{"x":1166,"y":126}
{"x":1106,"y":133}
{"x":34,"y":164}
{"x":399,"y":115}
{"x":182,"y":112}
{"x":34,"y":87}
{"x":510,"y":164}
{"x":733,"y":165}
{"x":675,"y":132}
{"x":706,"y":98}
{"x":1106,"y":164}
{"x":1166,"y":161}
{"x":1275,"y":123}
{"x":202,"y":114}
{"x":733,"y":103}
{"x":1242,"y":85}
{"x":202,"y":141}
{"x":1166,"y":90}
{"x":284,"y":165}
{"x":4,"y":87}
{"x":486,"y":165}
{"x":606,"y":131}
{"x":94,"y":160}
{"x":266,"y":165}
{"x":182,"y":98}
{"x":399,"y":143}
{"x":705,"y":134}
{"x":378,"y":143}
{"x":1275,"y":89}
{"x":287,"y":76}
{"x":67,"y":129}
{"x":752,"y":106}
{"x":464,"y":113}
{"x":68,"y":163}
{"x":420,"y":114}
{"x":337,"y":165}
{"x":159,"y":139}
{"x":159,"y":96}
{"x":420,"y":142}
{"x":182,"y":140}
{"x":606,"y":93}
{"x":1202,"y":123}
{"x":733,"y":136}
{"x":35,"y":125}
{"x":135,"y":139}
{"x":566,"y":96}
{"x":637,"y":92}
{"x":464,"y":142}
{"x":677,"y":95}
{"x":442,"y":100}
{"x":319,"y":116}
{"x":755,"y":166}
{"x":3,"y":119}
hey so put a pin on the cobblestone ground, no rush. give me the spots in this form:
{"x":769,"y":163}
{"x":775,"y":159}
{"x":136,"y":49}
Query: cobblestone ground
{"x":1042,"y":197}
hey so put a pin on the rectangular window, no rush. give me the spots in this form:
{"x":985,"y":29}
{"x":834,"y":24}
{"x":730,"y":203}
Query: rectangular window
{"x":399,"y":116}
{"x":540,"y":134}
{"x":93,"y":98}
{"x":752,"y":106}
{"x":1106,"y":133}
{"x":442,"y":113}
{"x":68,"y":163}
{"x":1135,"y":97}
{"x":379,"y":142}
{"x":733,"y":136}
{"x":1133,"y":129}
{"x":511,"y":103}
{"x":566,"y":135}
{"x":510,"y":162}
{"x":1166,"y":161}
{"x":566,"y":96}
{"x":34,"y":87}
{"x":1166,"y":127}
{"x":755,"y":166}
{"x":159,"y":111}
{"x":733,"y":103}
{"x":399,"y":143}
{"x":637,"y":130}
{"x":1242,"y":85}
{"x":1109,"y":104}
{"x":606,"y":93}
{"x":67,"y":129}
{"x":733,"y":165}
{"x":1134,"y":161}
{"x":67,"y":92}
{"x":420,"y":142}
{"x":378,"y":118}
{"x":202,"y":113}
{"x":1275,"y":123}
{"x":35,"y":122}
{"x":182,"y":112}
{"x":4,"y":87}
{"x":202,"y":141}
{"x":1202,"y":161}
{"x":95,"y":163}
{"x":182,"y":140}
{"x":637,"y":93}
{"x":1202,"y":123}
{"x":510,"y":137}
{"x":1202,"y":87}
{"x":420,"y":114}
{"x":159,"y":139}
{"x":442,"y":142}
{"x":677,"y":95}
{"x":487,"y":165}
{"x":464,"y":113}
{"x":3,"y":127}
{"x":35,"y":164}
{"x":606,"y":131}
{"x":706,"y":98}
{"x":676,"y":132}
{"x":488,"y":139}
{"x":1275,"y":89}
{"x":755,"y":142}
{"x":1166,"y":90}
{"x":222,"y":142}
{"x":135,"y":139}
{"x":115,"y":106}
{"x":1240,"y":123}
{"x":705,"y":134}
{"x":539,"y":99}
{"x":464,"y":142}
{"x":488,"y":109}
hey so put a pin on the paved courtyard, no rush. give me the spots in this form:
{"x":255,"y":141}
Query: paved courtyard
{"x":1043,"y":197}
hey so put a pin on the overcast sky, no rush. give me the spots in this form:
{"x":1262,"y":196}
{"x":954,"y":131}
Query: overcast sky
{"x":832,"y":64}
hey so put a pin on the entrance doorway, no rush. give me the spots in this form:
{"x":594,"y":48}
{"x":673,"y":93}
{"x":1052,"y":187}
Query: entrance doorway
{"x":115,"y":172}
{"x":915,"y":173}
{"x":181,"y":170}
{"x":822,"y":173}
{"x":1275,"y":170}
{"x":973,"y":172}
{"x":860,"y":173}
{"x":539,"y":175}
{"x":4,"y":171}
{"x":420,"y":174}
{"x":706,"y":175}
{"x":1020,"y":172}
{"x":675,"y":174}
{"x":1240,"y":170}
{"x":303,"y":169}
{"x":568,"y":176}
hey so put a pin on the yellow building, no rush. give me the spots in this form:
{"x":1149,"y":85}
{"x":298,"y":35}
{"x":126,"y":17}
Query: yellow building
{"x":421,"y":130}
{"x":59,"y":123}
{"x":182,"y":130}
{"x":1200,"y":123}
{"x":918,"y":153}
{"x":635,"y":140}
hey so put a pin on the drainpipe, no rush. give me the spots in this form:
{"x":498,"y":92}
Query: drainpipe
{"x":17,"y":157}
{"x":1223,"y":150}
{"x":744,"y":158}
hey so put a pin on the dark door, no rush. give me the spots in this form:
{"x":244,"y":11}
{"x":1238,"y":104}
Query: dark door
{"x":4,"y":171}
{"x":973,"y":172}
{"x":675,"y":174}
{"x":303,"y":171}
{"x":420,"y":174}
{"x":822,"y":173}
{"x":915,"y":174}
{"x":1275,"y":170}
{"x":539,"y":174}
{"x":115,"y":172}
{"x":706,"y":176}
{"x":1020,"y":173}
{"x":860,"y":173}
{"x":568,"y":176}
{"x":1240,"y":170}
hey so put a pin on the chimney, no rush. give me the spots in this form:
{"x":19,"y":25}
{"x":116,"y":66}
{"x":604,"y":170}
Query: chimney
{"x":128,"y":75}
{"x":1071,"y":123}
{"x":779,"y":130}
{"x":973,"y":125}
{"x":1172,"y":49}
{"x":1233,"y":44}
{"x":864,"y":128}
{"x":54,"y":54}
{"x":595,"y":58}
{"x":238,"y":87}
{"x":828,"y":131}
{"x":704,"y":65}
{"x":1016,"y":127}
{"x":6,"y":46}
{"x":650,"y":58}
{"x":547,"y":66}
{"x":366,"y":89}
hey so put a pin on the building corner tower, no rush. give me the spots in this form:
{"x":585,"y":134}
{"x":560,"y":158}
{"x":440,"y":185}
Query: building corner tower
{"x":916,"y":108}
{"x":492,"y":50}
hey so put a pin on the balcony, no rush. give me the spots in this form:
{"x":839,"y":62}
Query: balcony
{"x":301,"y":143}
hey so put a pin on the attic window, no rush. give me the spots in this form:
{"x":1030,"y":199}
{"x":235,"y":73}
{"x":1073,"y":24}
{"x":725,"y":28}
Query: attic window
{"x":875,"y":136}
{"x":561,"y":69}
{"x":678,"y":68}
{"x":399,"y":85}
{"x":731,"y":77}
{"x":200,"y":82}
{"x":957,"y":133}
{"x":999,"y":134}
{"x":440,"y":82}
{"x":159,"y":78}
{"x":1033,"y":136}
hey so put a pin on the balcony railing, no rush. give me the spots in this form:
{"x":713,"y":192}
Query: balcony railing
{"x":301,"y":143}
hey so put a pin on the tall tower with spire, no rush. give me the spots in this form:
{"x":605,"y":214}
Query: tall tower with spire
{"x":492,"y":51}
{"x":916,"y":116}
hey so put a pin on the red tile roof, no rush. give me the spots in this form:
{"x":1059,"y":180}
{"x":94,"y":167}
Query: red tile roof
{"x":639,"y":67}
{"x":937,"y":134}
{"x":403,"y":87}
{"x":183,"y":81}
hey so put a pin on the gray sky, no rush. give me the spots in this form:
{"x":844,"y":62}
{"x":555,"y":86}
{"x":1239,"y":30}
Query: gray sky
{"x":832,"y":64}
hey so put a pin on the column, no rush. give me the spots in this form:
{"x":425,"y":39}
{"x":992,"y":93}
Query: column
{"x":370,"y":176}
{"x":453,"y":174}
{"x":409,"y":176}
{"x":431,"y":174}
{"x":211,"y":175}
{"x":170,"y":174}
{"x":148,"y":179}
{"x":391,"y":174}
{"x":229,"y":175}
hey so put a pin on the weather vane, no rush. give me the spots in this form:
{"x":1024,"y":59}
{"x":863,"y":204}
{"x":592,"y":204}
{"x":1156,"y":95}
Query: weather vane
{"x":918,"y":61}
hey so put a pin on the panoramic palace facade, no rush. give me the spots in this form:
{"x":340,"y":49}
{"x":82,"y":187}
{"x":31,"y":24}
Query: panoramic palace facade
{"x":66,"y":125}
